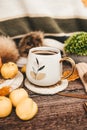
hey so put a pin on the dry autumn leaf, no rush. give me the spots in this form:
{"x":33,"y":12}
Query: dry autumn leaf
{"x":23,"y":69}
{"x":5,"y":91}
{"x":84,"y":2}
{"x":73,"y":77}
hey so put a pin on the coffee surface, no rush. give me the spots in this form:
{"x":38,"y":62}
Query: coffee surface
{"x":44,"y":52}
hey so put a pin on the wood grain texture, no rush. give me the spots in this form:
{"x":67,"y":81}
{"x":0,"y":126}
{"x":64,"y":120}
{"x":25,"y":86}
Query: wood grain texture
{"x":55,"y":112}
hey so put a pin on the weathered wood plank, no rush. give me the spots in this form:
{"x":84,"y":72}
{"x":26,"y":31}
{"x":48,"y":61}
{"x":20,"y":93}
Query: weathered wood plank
{"x":55,"y":112}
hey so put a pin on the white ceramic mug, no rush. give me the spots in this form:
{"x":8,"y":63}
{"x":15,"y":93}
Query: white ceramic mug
{"x":44,"y":66}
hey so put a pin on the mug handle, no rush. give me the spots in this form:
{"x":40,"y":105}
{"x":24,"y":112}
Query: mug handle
{"x":71,"y":62}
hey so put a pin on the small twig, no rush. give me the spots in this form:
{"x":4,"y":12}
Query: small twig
{"x":74,"y":95}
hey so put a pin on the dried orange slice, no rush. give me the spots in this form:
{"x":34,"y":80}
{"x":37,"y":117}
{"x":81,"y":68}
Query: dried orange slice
{"x":73,"y":77}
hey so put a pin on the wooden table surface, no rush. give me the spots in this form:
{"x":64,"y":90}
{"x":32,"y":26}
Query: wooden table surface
{"x":55,"y":112}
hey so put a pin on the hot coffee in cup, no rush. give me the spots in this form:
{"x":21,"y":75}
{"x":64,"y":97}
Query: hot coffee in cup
{"x":43,"y":52}
{"x":44,"y":66}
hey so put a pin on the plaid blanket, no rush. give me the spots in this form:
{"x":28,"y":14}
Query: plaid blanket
{"x":56,"y":18}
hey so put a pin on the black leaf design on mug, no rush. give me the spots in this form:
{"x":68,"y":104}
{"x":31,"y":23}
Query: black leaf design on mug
{"x":41,"y":67}
{"x":35,"y":73}
{"x":37,"y":61}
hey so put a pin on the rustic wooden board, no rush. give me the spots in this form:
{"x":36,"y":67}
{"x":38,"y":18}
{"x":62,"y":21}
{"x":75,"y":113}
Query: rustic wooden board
{"x":55,"y":112}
